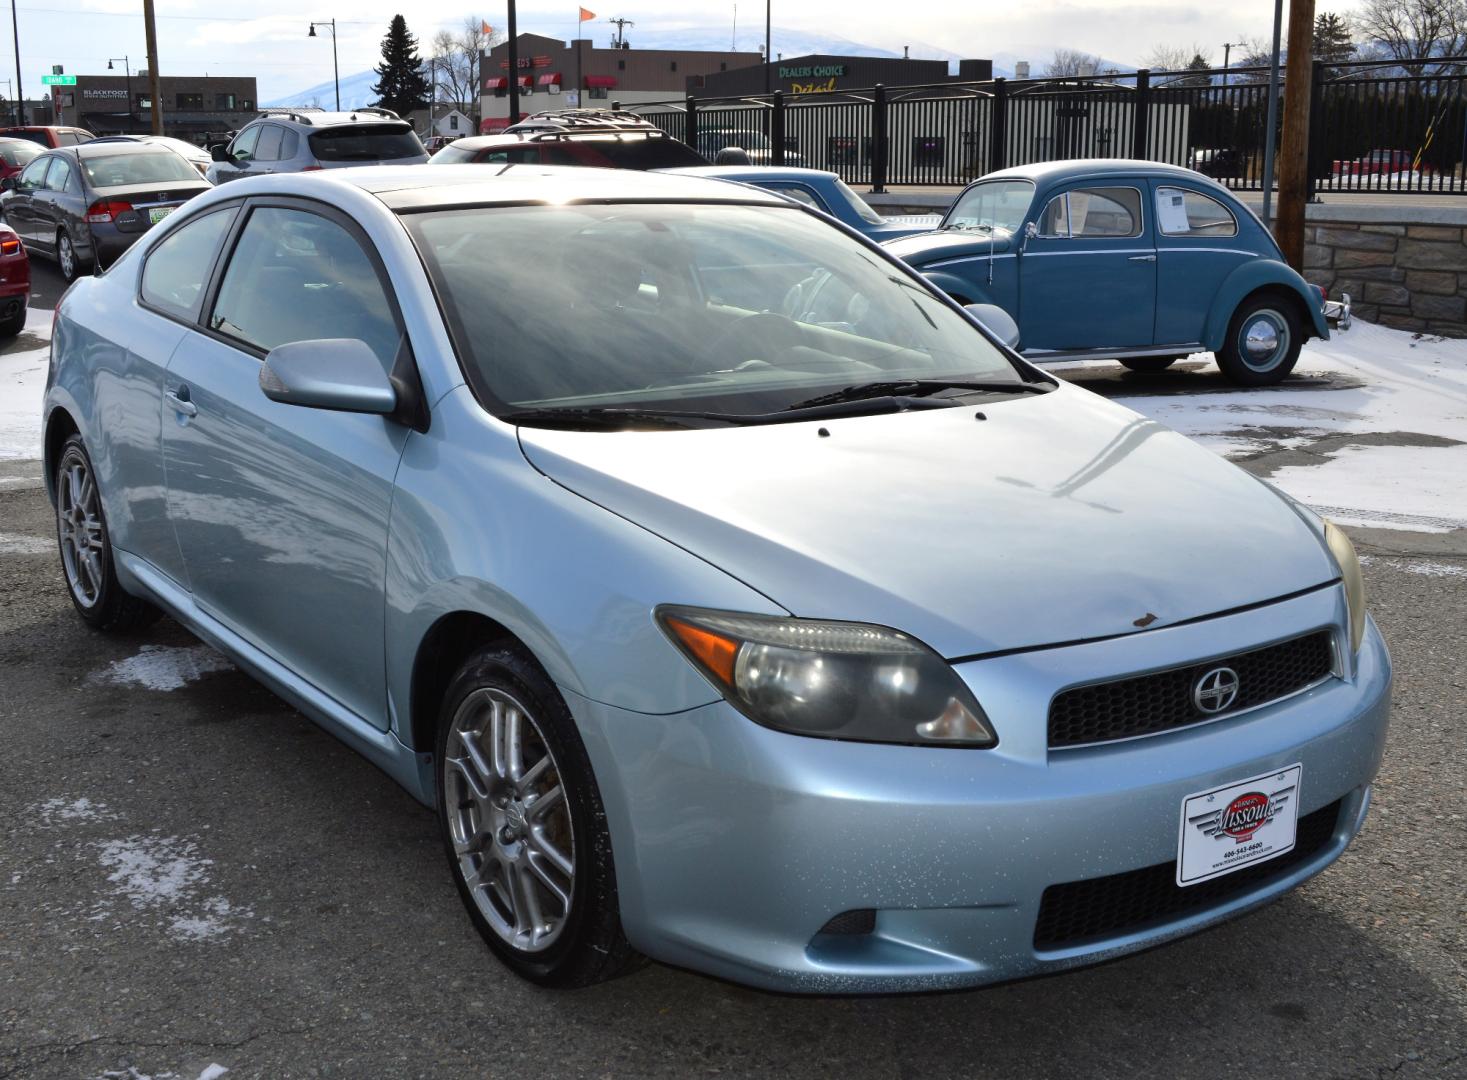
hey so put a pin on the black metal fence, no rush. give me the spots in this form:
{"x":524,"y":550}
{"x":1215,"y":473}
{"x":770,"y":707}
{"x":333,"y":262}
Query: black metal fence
{"x":1399,"y":128}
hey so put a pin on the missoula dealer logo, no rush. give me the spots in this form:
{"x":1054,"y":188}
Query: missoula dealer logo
{"x":1245,"y":815}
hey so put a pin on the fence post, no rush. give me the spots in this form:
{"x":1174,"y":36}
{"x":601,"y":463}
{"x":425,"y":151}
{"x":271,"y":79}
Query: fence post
{"x":690,"y":128}
{"x":776,"y":130}
{"x":878,"y":139}
{"x":1141,"y":122}
{"x":998,"y":127}
{"x":1315,"y":154}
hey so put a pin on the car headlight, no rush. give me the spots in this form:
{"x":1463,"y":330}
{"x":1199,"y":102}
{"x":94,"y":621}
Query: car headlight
{"x":836,"y":680}
{"x":1349,"y":563}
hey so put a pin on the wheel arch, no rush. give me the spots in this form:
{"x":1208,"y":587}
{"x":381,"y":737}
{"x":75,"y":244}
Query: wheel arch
{"x":1256,"y":279}
{"x":451,"y":640}
{"x":60,"y":426}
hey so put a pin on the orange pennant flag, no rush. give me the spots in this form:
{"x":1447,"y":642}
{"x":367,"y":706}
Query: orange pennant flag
{"x":488,"y":30}
{"x":587,"y":16}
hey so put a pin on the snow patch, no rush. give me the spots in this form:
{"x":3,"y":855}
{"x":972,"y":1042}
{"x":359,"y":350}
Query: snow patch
{"x":16,"y":544}
{"x":167,"y":874}
{"x":1417,"y":488}
{"x":22,"y":386}
{"x":164,"y":667}
{"x":64,"y":811}
{"x":1425,"y":567}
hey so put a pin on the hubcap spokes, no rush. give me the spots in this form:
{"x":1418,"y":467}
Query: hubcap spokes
{"x":66,"y":257}
{"x":510,"y":821}
{"x":1264,"y":341}
{"x":79,"y":528}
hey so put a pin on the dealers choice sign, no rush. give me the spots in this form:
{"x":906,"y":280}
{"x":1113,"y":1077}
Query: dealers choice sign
{"x":814,"y":72}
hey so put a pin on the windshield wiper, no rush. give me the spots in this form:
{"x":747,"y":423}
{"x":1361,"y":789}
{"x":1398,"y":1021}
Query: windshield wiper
{"x":598,"y":416}
{"x":910,"y":388}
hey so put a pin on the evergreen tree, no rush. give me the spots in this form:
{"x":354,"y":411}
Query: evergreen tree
{"x":1199,"y":64}
{"x":400,"y":84}
{"x":1332,"y":42}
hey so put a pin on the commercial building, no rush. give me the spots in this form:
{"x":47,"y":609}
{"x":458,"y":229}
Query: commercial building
{"x":821,"y":73}
{"x":193,"y":105}
{"x":555,"y":74}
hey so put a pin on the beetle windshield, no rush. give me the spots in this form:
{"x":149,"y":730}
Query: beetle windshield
{"x":732,"y":309}
{"x":993,"y":206}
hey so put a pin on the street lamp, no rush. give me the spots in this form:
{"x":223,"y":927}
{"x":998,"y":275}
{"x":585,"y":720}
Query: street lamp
{"x":127,"y":71}
{"x":335,"y":69}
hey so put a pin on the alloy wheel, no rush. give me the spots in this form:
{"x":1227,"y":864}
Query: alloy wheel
{"x":509,"y":820}
{"x":79,"y":529}
{"x":66,"y":255}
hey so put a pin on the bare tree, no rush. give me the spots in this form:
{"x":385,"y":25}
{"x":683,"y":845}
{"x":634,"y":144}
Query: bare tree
{"x":1170,"y":57}
{"x":1067,"y":63}
{"x":1412,"y":29}
{"x":456,"y":58}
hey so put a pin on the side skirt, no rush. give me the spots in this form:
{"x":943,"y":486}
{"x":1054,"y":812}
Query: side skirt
{"x":1046,"y":356}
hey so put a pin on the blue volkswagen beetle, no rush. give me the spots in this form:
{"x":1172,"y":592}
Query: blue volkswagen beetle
{"x":1128,"y":260}
{"x":823,"y":191}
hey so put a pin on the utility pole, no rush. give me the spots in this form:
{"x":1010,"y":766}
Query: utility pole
{"x":1228,"y":47}
{"x":514,"y":68}
{"x":1271,"y":125}
{"x":20,"y":90}
{"x":768,"y":35}
{"x":150,"y":27}
{"x":335,"y":68}
{"x":1293,"y":162}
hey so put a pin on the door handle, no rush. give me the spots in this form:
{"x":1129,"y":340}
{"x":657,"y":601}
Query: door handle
{"x":180,"y":402}
{"x":1142,"y":258}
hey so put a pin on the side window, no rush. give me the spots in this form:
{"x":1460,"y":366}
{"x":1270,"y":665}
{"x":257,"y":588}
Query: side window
{"x":178,"y":266}
{"x":268,"y":148}
{"x":290,"y":144}
{"x":243,"y":147}
{"x":800,"y":195}
{"x":298,"y":276}
{"x":1184,"y":212}
{"x":1095,"y":213}
{"x":34,"y":175}
{"x":60,"y":173}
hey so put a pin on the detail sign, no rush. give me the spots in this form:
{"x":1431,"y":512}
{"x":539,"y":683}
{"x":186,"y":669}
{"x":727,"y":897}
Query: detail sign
{"x":58,"y":80}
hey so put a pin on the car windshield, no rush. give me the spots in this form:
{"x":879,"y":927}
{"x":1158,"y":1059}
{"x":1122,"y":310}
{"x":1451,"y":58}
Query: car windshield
{"x":35,"y":136}
{"x":451,"y":155}
{"x":993,"y":206}
{"x":18,"y":152}
{"x":732,"y":309}
{"x":119,"y":170}
{"x":858,"y":204}
{"x":366,"y":142}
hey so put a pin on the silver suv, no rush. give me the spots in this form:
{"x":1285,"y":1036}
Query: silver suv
{"x":300,"y":140}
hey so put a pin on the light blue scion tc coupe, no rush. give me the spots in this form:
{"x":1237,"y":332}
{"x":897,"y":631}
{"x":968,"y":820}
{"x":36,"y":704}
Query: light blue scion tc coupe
{"x":734,"y":597}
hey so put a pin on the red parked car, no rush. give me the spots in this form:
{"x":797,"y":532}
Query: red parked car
{"x":15,"y":282}
{"x":48,"y":136}
{"x":15,"y":154}
{"x":1379,"y":161}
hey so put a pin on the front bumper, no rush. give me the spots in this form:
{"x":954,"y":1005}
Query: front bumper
{"x":735,"y":844}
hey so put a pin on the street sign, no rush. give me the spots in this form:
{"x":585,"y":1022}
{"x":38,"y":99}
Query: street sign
{"x":58,"y":80}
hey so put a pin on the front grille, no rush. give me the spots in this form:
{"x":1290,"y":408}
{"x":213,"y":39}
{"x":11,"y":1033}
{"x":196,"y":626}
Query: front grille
{"x":1081,"y":912}
{"x":859,"y":921}
{"x":1148,"y":704}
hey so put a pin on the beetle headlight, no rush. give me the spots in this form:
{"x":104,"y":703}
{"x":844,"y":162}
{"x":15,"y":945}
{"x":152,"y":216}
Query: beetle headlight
{"x":836,"y":680}
{"x":1349,"y":563}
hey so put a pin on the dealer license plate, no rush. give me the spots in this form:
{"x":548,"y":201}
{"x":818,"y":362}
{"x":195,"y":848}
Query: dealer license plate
{"x":158,"y":213}
{"x":1239,"y":825}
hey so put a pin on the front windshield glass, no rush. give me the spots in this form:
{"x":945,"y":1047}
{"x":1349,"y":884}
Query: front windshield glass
{"x":724,"y":308}
{"x":995,"y":206}
{"x":858,"y":204}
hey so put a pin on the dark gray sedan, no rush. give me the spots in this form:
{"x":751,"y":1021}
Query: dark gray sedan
{"x":85,"y":205}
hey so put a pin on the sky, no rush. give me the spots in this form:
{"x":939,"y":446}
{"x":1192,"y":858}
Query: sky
{"x":267,"y":38}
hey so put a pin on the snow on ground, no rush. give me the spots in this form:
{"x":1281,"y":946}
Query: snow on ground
{"x":163,"y":667}
{"x":22,"y":384}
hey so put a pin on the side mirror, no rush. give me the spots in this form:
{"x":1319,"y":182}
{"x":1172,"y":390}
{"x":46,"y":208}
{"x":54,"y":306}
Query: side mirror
{"x":340,"y":374}
{"x":997,"y":322}
{"x":7,"y":184}
{"x":219,"y":152}
{"x":1031,"y":230}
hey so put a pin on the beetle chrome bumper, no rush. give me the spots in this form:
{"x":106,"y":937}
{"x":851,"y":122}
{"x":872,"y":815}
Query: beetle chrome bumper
{"x":1337,"y":312}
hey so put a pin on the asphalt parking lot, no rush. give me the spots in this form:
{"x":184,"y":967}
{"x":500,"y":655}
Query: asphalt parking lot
{"x":192,"y":875}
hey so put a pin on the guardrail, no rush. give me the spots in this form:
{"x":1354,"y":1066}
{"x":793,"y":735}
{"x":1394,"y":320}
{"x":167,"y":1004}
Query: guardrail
{"x":1397,"y":127}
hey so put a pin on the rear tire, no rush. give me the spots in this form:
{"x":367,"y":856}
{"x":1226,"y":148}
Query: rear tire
{"x":1149,"y":364}
{"x":13,"y":325}
{"x":1263,"y":342}
{"x":86,"y":549}
{"x":67,"y":258}
{"x":523,"y":825}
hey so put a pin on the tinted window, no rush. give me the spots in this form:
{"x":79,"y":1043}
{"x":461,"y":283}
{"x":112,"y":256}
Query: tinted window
{"x":366,"y":142}
{"x":297,"y":276}
{"x":244,"y":142}
{"x":179,"y":264}
{"x":67,"y":138}
{"x":724,"y":307}
{"x":34,"y":175}
{"x":116,"y":170}
{"x":268,"y":148}
{"x":37,"y":137}
{"x":1184,"y":212}
{"x":58,"y":176}
{"x":639,"y":152}
{"x":16,"y":152}
{"x":290,"y":144}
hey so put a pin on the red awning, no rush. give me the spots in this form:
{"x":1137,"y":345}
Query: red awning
{"x":497,"y":82}
{"x":594,"y":82}
{"x":552,"y":79}
{"x":526,"y":80}
{"x":491,"y":124}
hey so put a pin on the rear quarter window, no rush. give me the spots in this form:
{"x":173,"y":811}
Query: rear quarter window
{"x":366,"y":142}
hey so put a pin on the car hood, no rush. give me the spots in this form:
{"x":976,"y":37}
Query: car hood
{"x":933,"y":246}
{"x":1057,"y":519}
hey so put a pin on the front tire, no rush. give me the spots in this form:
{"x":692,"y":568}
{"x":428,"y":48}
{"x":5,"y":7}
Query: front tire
{"x":523,"y":825}
{"x":1263,"y":342}
{"x":1149,"y":364}
{"x":86,"y":549}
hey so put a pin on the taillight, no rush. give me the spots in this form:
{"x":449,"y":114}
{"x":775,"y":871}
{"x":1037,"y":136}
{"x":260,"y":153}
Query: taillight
{"x":9,"y":245}
{"x":1319,"y":289}
{"x":104,"y":210}
{"x":312,"y":168}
